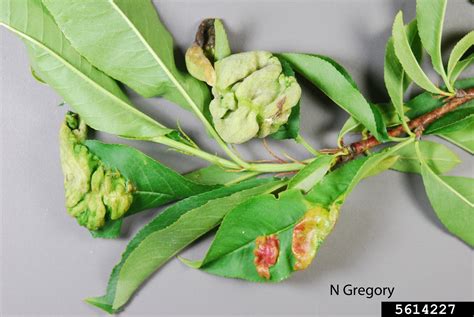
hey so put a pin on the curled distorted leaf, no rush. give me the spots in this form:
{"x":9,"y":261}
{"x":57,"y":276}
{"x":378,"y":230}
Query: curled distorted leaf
{"x":93,"y":191}
{"x":252,"y":97}
{"x":105,"y":182}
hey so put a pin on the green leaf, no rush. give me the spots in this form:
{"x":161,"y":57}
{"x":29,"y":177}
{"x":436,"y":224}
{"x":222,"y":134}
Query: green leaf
{"x":458,"y":51}
{"x":464,"y":138}
{"x":438,"y":157}
{"x":460,"y":66}
{"x":396,"y":81}
{"x":232,"y":251}
{"x":335,"y":186}
{"x":296,"y":224}
{"x":452,"y":199}
{"x":111,"y":230}
{"x":336,"y":86}
{"x":134,"y":37}
{"x":222,"y":47}
{"x":92,"y":94}
{"x":216,"y":175}
{"x":154,"y":183}
{"x":169,"y":233}
{"x":389,"y":115}
{"x":426,"y":102}
{"x":291,"y":128}
{"x":311,"y":174}
{"x":406,"y":57}
{"x":430,"y":17}
{"x":454,"y":120}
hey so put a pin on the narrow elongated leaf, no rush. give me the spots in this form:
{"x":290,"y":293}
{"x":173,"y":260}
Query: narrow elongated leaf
{"x":430,"y":17}
{"x":91,"y":93}
{"x":452,"y":199}
{"x":464,"y":138}
{"x":127,"y":40}
{"x":222,"y":47}
{"x":169,"y":233}
{"x":396,"y":81}
{"x":337,"y":87}
{"x":216,"y":175}
{"x":458,"y":51}
{"x":407,"y":58}
{"x":312,"y":173}
{"x":438,"y":157}
{"x":460,"y":66}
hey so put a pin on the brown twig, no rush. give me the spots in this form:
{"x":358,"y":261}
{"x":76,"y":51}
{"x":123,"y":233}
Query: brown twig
{"x":418,"y":124}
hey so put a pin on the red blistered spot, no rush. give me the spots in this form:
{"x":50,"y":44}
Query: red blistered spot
{"x":266,"y":253}
{"x":306,"y":234}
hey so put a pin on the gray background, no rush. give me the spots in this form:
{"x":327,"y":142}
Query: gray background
{"x":387,"y":234}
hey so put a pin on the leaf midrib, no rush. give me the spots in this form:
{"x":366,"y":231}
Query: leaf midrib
{"x":155,"y":56}
{"x":451,"y":189}
{"x":82,"y":75}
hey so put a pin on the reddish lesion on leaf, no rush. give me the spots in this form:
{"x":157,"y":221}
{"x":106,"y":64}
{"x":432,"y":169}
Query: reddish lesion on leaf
{"x":309,"y":233}
{"x":266,"y":253}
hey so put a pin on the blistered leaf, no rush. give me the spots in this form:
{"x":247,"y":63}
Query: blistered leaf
{"x":438,"y":157}
{"x":91,"y":93}
{"x":430,"y":19}
{"x":93,"y":191}
{"x":134,"y":37}
{"x":169,"y":233}
{"x":406,"y":57}
{"x":336,"y":86}
{"x":252,"y":97}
